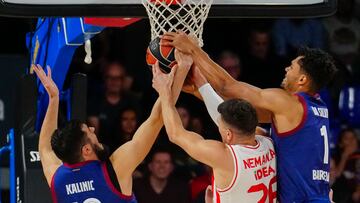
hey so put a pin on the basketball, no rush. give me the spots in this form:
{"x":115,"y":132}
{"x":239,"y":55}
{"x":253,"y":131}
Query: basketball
{"x":164,"y":54}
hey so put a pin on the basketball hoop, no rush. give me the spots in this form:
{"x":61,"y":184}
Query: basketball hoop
{"x":173,"y":15}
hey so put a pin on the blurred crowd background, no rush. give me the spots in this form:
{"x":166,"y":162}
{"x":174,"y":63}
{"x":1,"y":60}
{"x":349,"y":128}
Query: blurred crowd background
{"x":256,"y":51}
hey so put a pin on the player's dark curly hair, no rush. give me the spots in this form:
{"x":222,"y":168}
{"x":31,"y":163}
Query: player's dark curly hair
{"x":67,"y":142}
{"x":239,"y":114}
{"x":318,"y":65}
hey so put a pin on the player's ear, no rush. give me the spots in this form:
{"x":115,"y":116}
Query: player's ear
{"x":86,"y":150}
{"x":229,"y":135}
{"x":303,"y":79}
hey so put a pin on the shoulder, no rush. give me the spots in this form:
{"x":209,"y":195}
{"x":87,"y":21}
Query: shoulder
{"x":278,"y":95}
{"x":264,"y":140}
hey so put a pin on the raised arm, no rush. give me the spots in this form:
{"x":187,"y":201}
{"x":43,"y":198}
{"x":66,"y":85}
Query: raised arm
{"x":127,"y":157}
{"x":194,"y":144}
{"x":267,"y":102}
{"x":49,"y":160}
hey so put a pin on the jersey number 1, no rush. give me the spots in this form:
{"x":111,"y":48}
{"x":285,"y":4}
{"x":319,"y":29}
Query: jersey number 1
{"x":324,"y":134}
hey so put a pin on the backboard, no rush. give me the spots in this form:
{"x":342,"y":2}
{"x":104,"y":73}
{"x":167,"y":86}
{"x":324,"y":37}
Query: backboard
{"x":134,"y":8}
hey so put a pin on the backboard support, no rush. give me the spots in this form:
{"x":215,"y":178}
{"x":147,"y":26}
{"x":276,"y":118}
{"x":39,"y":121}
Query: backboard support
{"x":134,"y":8}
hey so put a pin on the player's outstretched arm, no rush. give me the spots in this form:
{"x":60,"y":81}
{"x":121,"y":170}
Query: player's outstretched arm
{"x":194,"y":144}
{"x":266,"y":101}
{"x":216,"y":75}
{"x":132,"y":153}
{"x":49,"y":160}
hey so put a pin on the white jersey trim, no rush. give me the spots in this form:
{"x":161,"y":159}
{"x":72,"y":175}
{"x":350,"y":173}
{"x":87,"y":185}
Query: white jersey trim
{"x":236,"y":172}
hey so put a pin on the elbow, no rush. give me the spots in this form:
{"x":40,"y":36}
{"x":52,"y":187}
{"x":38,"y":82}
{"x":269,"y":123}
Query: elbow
{"x":172,"y":134}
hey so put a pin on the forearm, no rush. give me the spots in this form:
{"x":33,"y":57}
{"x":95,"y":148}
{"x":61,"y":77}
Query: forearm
{"x":147,"y":133}
{"x":49,"y":125}
{"x":212,"y":100}
{"x":172,"y":121}
{"x":221,"y":81}
{"x":214,"y":73}
{"x":155,"y":119}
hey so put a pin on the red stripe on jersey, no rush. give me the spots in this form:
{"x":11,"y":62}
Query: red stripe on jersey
{"x":52,"y":188}
{"x":78,"y":165}
{"x":218,"y":197}
{"x":301,"y":124}
{"x":112,"y":187}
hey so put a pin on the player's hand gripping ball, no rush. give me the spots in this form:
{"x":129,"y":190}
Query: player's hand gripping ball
{"x":164,"y":54}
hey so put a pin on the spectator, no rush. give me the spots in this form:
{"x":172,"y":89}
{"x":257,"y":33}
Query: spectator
{"x":197,"y":125}
{"x":347,"y":146}
{"x":104,"y":108}
{"x":341,"y":193}
{"x":347,"y":184}
{"x":352,"y":174}
{"x":260,"y":62}
{"x":231,"y":63}
{"x":290,"y":34}
{"x":160,"y":186}
{"x":128,"y":124}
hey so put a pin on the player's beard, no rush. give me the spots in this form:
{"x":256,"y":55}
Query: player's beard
{"x":103,"y":154}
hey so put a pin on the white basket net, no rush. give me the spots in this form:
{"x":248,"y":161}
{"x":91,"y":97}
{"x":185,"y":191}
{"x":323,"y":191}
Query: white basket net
{"x":173,"y":15}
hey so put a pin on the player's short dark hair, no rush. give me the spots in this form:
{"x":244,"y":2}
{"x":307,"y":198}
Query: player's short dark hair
{"x":66,"y":142}
{"x":318,"y":65}
{"x":240,"y":115}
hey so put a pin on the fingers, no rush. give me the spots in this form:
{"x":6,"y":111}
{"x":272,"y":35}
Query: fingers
{"x":173,"y":34}
{"x":48,"y":71}
{"x":153,"y":70}
{"x":34,"y":68}
{"x":173,"y":71}
{"x":157,"y":68}
{"x":167,"y":43}
{"x":40,"y":73}
{"x":177,"y":54}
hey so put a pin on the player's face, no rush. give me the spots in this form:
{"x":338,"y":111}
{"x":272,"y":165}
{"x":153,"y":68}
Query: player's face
{"x":161,"y":165}
{"x":101,"y":150}
{"x":293,"y":73}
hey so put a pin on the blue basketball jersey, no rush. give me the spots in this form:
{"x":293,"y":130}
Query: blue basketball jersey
{"x":303,"y":155}
{"x":86,"y":182}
